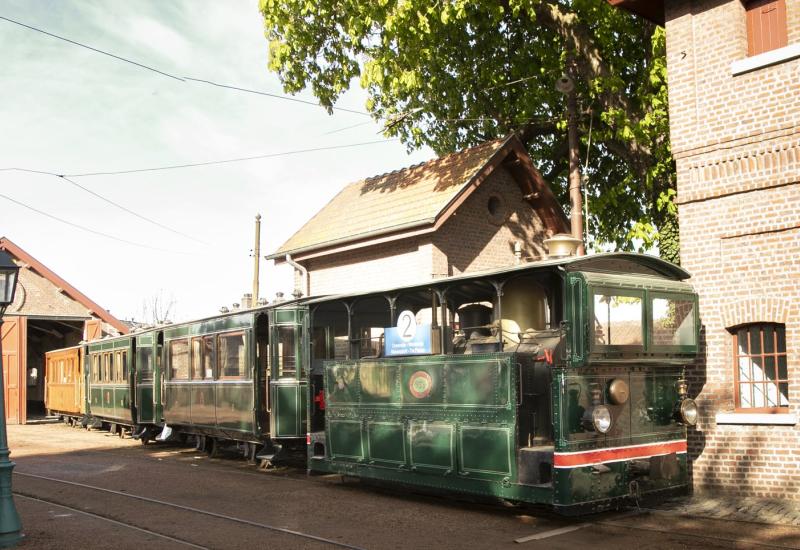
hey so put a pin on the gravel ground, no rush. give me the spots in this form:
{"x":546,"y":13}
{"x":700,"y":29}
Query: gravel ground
{"x":345,"y":513}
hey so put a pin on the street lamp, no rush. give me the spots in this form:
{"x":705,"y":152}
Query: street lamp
{"x":9,"y":519}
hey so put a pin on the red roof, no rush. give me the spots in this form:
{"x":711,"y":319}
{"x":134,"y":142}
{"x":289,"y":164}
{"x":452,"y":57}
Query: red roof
{"x":18,"y":253}
{"x":417,"y":197}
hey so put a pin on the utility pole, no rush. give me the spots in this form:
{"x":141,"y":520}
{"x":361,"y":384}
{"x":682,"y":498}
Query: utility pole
{"x":566,"y":86}
{"x":256,"y":260}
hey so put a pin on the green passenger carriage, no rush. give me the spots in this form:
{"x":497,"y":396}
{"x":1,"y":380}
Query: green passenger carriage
{"x":557,"y":382}
{"x":110,"y":375}
{"x":223,"y":381}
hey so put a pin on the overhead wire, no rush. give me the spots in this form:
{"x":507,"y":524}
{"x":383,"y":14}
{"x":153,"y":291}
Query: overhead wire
{"x":142,"y":65}
{"x":180,"y":78}
{"x":278,"y":96}
{"x":88,"y":229}
{"x":225,"y":161}
{"x":66,"y":177}
{"x":128,"y":210}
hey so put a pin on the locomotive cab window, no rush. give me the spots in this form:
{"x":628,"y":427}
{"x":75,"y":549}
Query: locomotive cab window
{"x":672,"y":321}
{"x":617,"y":318}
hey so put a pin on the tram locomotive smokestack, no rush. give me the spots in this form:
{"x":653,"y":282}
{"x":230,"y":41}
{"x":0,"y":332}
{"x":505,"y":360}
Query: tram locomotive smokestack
{"x":562,"y":245}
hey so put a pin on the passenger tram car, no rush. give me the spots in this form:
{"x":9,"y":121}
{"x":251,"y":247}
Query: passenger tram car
{"x":559,"y":382}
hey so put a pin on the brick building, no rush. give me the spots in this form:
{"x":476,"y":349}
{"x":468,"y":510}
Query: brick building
{"x":480,"y":208}
{"x":734,"y":91}
{"x":47,"y":313}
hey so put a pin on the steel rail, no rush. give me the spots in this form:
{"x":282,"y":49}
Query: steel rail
{"x":197,"y":511}
{"x":114,"y":521}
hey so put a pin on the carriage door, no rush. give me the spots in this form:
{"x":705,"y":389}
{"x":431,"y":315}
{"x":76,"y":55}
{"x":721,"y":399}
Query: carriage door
{"x":288,"y":382}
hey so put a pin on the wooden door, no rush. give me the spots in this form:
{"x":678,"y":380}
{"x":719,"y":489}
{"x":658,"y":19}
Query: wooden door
{"x":93,"y":329}
{"x":13,"y":330}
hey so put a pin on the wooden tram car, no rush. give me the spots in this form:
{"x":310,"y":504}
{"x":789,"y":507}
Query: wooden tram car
{"x":64,"y":392}
{"x":558,"y":382}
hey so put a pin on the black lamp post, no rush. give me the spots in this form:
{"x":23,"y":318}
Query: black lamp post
{"x":9,"y":519}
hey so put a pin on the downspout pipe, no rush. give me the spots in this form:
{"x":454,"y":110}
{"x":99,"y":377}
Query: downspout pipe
{"x":303,"y":272}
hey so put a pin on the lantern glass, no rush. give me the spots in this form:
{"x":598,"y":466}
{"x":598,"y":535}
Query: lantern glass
{"x":8,"y":279}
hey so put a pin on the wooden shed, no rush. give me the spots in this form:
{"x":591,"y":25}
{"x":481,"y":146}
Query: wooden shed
{"x":48,"y":313}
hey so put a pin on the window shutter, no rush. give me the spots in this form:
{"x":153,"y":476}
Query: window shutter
{"x":766,"y":25}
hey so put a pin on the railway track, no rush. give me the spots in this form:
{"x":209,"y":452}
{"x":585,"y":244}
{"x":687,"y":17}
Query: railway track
{"x":183,"y":509}
{"x":347,"y":517}
{"x":123,"y":524}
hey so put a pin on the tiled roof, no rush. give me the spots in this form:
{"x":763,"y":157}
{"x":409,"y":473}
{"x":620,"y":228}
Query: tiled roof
{"x":54,"y":282}
{"x":403,"y":198}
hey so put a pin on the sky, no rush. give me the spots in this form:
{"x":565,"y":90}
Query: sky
{"x":184,"y":235}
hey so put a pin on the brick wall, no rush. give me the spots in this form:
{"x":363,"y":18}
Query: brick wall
{"x":474,"y":239}
{"x":471,"y":240}
{"x":374,"y":268}
{"x":736,"y":141}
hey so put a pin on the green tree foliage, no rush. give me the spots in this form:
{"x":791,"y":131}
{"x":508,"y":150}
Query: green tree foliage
{"x":454,"y":73}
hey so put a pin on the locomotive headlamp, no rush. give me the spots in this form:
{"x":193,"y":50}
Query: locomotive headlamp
{"x":688,"y":411}
{"x":601,"y":418}
{"x":597,"y":417}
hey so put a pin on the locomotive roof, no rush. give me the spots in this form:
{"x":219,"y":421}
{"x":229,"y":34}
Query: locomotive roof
{"x":611,"y":262}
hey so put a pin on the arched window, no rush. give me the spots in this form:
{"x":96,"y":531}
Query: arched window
{"x":760,"y":369}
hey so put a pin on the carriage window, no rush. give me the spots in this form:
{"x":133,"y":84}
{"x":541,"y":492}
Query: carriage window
{"x":760,"y":369}
{"x":232,"y":356}
{"x":145,"y":359}
{"x":116,"y":372}
{"x":124,"y":367}
{"x":197,"y":359}
{"x":208,"y":357}
{"x":287,"y":360}
{"x":95,"y":368}
{"x":108,"y":367}
{"x":617,"y":320}
{"x":179,"y":360}
{"x":673,"y":322}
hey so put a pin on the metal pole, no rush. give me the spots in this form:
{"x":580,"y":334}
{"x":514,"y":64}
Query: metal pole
{"x":10,"y":526}
{"x":257,"y":260}
{"x":575,"y":199}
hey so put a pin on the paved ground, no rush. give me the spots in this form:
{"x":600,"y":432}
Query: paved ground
{"x":757,"y":510}
{"x":116,"y":493}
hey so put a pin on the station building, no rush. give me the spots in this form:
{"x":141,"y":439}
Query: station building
{"x":47,"y":313}
{"x":480,"y":208}
{"x":734,"y":102}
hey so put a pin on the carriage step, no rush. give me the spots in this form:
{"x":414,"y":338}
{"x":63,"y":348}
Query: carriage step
{"x":165,"y":434}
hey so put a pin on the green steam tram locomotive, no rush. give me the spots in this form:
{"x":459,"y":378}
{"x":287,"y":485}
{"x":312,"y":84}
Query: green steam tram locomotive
{"x":559,"y":382}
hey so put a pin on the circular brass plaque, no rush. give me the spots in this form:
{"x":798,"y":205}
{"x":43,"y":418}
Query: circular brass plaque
{"x":618,"y":391}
